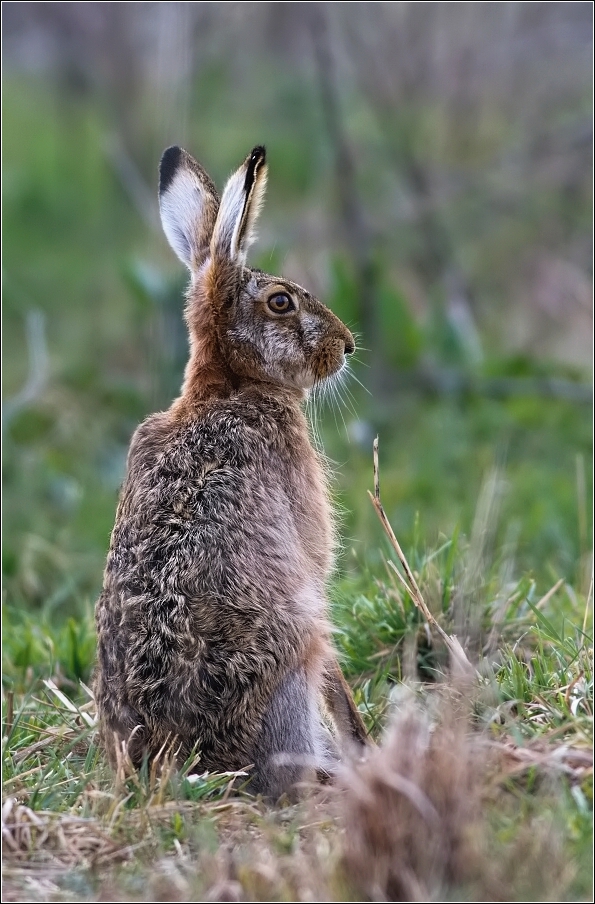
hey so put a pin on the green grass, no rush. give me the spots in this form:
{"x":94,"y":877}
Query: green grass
{"x":531,"y":700}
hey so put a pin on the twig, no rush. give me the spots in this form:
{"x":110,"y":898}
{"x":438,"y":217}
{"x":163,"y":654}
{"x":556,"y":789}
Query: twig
{"x":551,"y":592}
{"x":588,"y":603}
{"x":132,"y":181}
{"x":9,"y":712}
{"x":37,"y":376}
{"x":409,"y":582}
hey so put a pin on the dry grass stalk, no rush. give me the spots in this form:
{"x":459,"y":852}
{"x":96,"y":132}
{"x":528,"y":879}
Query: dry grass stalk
{"x":576,"y":763}
{"x":70,"y":706}
{"x":458,"y":656}
{"x":61,"y":838}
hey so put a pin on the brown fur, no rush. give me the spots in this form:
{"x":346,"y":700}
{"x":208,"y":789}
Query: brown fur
{"x":214,"y":588}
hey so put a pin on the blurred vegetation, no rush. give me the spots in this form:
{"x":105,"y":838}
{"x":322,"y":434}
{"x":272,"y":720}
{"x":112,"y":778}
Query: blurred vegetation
{"x":444,"y":214}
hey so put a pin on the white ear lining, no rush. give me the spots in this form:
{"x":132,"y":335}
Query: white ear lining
{"x":182,"y":207}
{"x":234,"y":230}
{"x":245,"y":232}
{"x":226,"y":232}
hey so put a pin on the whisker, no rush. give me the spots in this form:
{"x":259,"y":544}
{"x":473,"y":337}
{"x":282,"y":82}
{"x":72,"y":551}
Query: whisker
{"x":343,"y":390}
{"x":340,"y":406}
{"x":361,"y":384}
{"x":334,"y":405}
{"x":338,"y":385}
{"x":349,"y":401}
{"x":334,"y":392}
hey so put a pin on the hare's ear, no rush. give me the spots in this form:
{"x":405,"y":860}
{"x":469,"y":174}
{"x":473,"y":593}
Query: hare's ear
{"x":240,"y":205}
{"x":188,"y":202}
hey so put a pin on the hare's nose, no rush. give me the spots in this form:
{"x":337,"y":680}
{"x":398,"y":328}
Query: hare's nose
{"x":349,"y":346}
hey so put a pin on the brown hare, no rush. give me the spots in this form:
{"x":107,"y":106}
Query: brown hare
{"x":213,"y":632}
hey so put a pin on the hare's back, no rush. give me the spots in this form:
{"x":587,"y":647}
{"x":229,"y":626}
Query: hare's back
{"x":206,"y":512}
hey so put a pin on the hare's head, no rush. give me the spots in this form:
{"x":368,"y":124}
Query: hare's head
{"x":244,"y":324}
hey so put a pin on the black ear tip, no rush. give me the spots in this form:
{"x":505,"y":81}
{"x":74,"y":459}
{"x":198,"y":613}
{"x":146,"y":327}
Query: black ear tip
{"x":257,"y":159}
{"x":170,"y":161}
{"x":258,"y":154}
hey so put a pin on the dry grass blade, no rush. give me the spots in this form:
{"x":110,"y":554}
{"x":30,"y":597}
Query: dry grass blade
{"x":68,"y":840}
{"x":68,"y":703}
{"x":87,"y":691}
{"x":574,"y":762}
{"x":53,"y":736}
{"x":547,"y":596}
{"x":458,"y":655}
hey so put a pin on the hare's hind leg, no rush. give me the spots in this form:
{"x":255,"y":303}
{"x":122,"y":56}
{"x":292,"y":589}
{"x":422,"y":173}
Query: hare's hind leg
{"x":293,"y":742}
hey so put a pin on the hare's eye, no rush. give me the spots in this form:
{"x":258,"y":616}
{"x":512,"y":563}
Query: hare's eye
{"x":280,"y":304}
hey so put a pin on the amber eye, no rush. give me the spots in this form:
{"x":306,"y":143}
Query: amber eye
{"x":280,"y":304}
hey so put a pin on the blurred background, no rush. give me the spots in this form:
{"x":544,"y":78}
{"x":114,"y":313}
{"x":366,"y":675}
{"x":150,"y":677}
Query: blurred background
{"x":430,"y":179}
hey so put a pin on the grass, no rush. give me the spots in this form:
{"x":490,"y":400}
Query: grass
{"x":501,"y":806}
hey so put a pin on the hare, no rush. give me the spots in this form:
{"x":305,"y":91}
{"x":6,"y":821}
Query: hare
{"x":213,"y":633}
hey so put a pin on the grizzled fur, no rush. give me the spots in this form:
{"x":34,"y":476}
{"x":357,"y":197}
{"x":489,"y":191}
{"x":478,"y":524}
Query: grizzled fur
{"x":212,"y":623}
